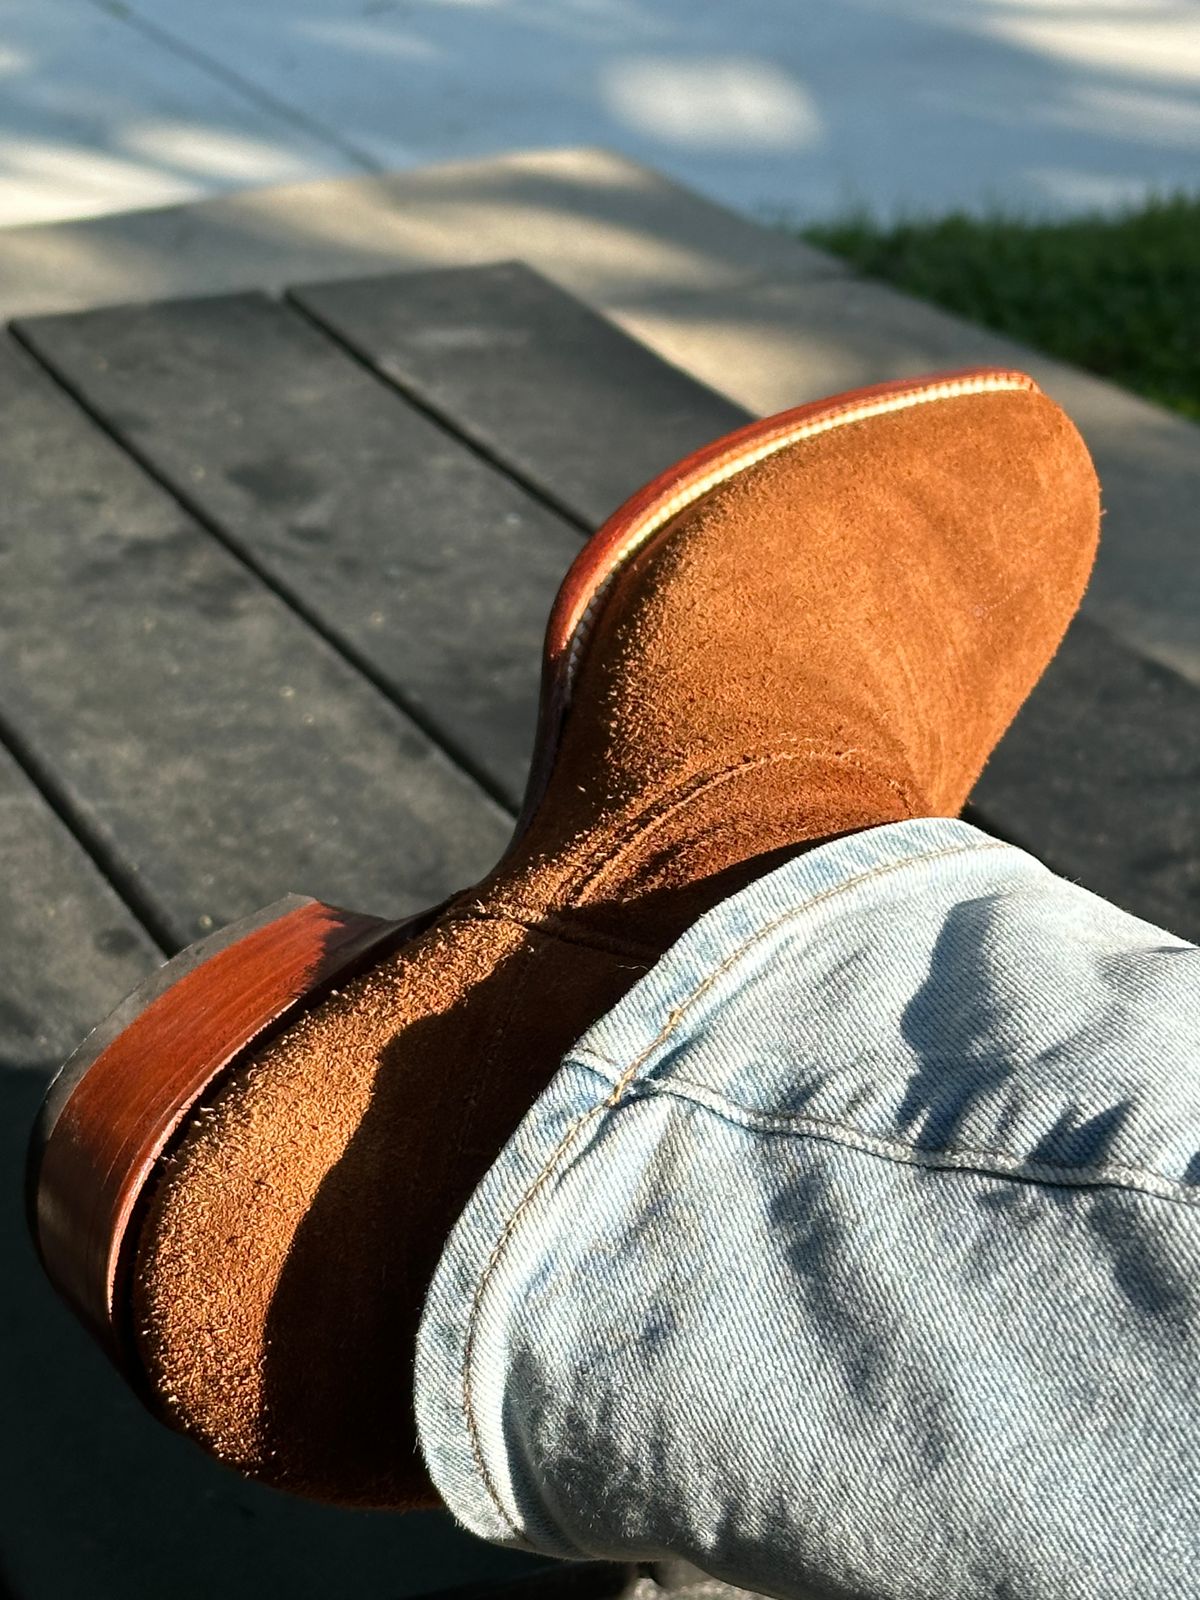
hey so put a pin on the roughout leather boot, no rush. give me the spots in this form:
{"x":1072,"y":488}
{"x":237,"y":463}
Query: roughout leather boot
{"x":820,"y":623}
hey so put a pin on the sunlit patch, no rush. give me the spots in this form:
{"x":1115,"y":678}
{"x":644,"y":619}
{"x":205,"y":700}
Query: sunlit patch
{"x":156,"y":164}
{"x":1152,"y":40}
{"x":41,"y":181}
{"x":720,"y":103}
{"x":216,"y":153}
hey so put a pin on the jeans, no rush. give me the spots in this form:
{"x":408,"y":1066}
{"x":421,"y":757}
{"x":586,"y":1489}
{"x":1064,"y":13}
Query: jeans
{"x":856,"y":1252}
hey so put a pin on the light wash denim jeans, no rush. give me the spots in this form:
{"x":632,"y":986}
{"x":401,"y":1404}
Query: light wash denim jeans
{"x":856,"y":1252}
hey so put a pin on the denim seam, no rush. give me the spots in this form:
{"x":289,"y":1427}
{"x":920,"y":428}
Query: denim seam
{"x":792,"y":914}
{"x":995,"y":1163}
{"x":613,"y":1099}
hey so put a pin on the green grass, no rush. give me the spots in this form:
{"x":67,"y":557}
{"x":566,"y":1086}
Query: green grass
{"x":1117,"y":295}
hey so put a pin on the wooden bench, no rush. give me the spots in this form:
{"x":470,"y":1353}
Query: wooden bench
{"x":273,"y":576}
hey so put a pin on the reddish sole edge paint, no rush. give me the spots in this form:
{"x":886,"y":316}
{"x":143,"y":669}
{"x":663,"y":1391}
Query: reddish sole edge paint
{"x":112,"y":1112}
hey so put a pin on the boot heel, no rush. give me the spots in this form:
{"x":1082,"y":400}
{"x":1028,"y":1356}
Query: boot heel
{"x":111,"y":1112}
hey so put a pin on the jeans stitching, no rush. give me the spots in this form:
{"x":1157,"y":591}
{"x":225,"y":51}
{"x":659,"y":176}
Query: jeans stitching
{"x":1000,"y":1163}
{"x":792,"y":914}
{"x":612,"y":1100}
{"x":468,"y":1400}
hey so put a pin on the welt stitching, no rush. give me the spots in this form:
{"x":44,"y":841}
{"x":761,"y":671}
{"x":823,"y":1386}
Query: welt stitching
{"x":1007,"y":1163}
{"x":656,"y":815}
{"x":644,"y":822}
{"x":574,"y":1128}
{"x":775,"y":441}
{"x":551,"y":925}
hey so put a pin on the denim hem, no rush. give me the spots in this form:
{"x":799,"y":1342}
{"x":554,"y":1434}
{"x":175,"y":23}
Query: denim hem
{"x":460,"y":1381}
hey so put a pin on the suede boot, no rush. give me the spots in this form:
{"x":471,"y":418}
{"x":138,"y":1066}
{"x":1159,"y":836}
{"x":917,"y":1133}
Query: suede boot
{"x":822,"y":624}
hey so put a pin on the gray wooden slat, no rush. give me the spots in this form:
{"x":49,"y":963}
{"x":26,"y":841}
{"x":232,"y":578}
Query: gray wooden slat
{"x":542,"y":382}
{"x":99,"y":1499}
{"x":214,"y":747}
{"x":70,"y":950}
{"x":1101,"y":776}
{"x":428,"y":566}
{"x":1119,"y":741}
{"x":102,"y":1501}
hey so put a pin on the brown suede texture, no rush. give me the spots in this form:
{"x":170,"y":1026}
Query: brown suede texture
{"x":834,"y":639}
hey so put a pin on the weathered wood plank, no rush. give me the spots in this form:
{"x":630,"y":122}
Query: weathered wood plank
{"x":101,"y":1501}
{"x":431,"y":569}
{"x":215,"y":750}
{"x":554,"y":391}
{"x":1118,"y":737}
{"x":98,"y":1499}
{"x":1100,"y":775}
{"x":148,"y":672}
{"x":70,"y":949}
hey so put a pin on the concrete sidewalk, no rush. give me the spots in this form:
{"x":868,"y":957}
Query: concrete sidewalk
{"x":797,"y":107}
{"x":754,"y":313}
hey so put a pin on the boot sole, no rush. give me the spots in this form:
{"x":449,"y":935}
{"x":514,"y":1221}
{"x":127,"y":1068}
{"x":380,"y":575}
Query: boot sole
{"x":117,"y":1106}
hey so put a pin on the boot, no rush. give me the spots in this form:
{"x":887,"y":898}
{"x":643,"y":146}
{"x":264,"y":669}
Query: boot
{"x":821,"y":623}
